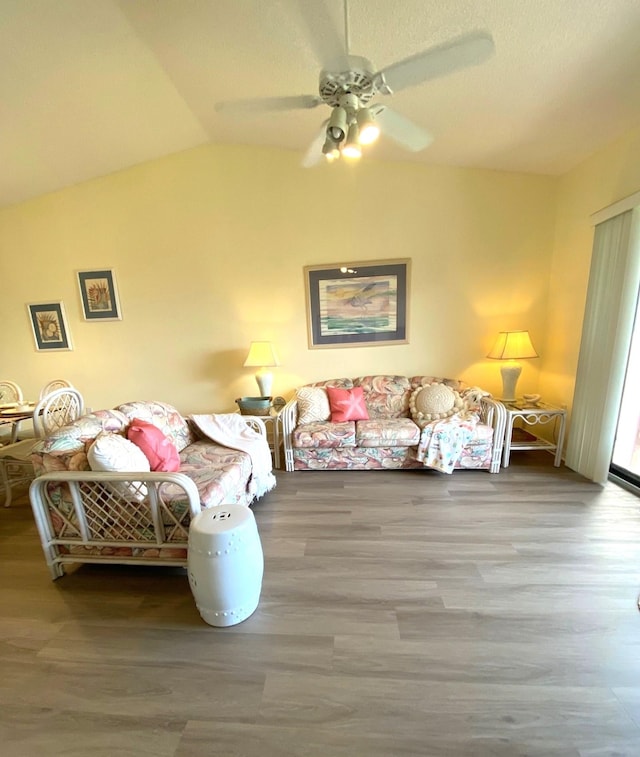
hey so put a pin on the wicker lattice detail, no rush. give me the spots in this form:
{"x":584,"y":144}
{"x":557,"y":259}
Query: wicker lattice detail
{"x":83,"y":516}
{"x":112,"y":518}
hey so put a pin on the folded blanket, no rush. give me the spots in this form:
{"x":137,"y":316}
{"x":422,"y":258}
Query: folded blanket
{"x":231,"y":430}
{"x":441,"y":442}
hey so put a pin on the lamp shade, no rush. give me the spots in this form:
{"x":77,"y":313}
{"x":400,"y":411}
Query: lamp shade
{"x":261,"y":355}
{"x":512,"y":345}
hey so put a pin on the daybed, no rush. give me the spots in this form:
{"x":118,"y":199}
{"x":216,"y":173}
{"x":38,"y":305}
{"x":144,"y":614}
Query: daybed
{"x":140,"y":516}
{"x":416,"y":422}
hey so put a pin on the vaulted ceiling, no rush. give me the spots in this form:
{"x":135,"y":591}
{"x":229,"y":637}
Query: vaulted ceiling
{"x":89,"y":87}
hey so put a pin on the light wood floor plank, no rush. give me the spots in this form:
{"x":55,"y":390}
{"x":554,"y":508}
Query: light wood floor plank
{"x":402,"y":614}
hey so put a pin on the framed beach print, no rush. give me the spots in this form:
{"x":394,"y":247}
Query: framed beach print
{"x":359,"y":304}
{"x":49,"y":326}
{"x":99,"y":295}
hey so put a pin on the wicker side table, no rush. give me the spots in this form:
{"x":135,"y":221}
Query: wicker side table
{"x":531,"y":416}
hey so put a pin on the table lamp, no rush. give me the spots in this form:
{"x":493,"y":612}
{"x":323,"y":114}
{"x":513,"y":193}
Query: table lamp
{"x":262,"y":355}
{"x":511,"y":346}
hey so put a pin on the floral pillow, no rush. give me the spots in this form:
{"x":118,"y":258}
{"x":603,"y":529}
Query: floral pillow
{"x":313,"y":405}
{"x":433,"y":402}
{"x":347,"y":404}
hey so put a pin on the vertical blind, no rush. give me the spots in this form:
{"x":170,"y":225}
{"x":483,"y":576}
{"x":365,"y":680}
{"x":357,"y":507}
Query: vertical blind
{"x":614,"y":281}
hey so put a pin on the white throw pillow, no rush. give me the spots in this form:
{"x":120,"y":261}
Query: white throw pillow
{"x":313,"y":405}
{"x":434,"y":401}
{"x":112,"y":452}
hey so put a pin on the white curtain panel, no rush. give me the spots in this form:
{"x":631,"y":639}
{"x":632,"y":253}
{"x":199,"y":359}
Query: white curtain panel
{"x":614,"y":282}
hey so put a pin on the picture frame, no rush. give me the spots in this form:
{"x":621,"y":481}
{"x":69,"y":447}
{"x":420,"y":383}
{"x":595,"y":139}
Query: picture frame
{"x":359,"y":304}
{"x":49,"y":326}
{"x":99,"y":295}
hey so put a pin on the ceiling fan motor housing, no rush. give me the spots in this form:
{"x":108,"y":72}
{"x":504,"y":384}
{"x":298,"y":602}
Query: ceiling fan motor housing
{"x":360,"y":80}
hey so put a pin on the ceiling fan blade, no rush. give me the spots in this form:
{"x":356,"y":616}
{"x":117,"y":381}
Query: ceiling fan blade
{"x":327,"y":42}
{"x":451,"y":56}
{"x":401,"y":130}
{"x":268,"y":104}
{"x":314,"y":155}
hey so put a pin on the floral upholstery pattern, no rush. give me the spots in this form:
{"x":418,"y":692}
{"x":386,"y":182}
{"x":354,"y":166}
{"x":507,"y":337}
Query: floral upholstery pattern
{"x":391,"y":438}
{"x":165,"y":417}
{"x":325,"y":435}
{"x":356,"y":458}
{"x":390,"y":432}
{"x":220,"y":474}
{"x":386,"y":396}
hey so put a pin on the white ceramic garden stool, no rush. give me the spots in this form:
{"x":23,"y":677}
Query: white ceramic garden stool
{"x":225,"y":564}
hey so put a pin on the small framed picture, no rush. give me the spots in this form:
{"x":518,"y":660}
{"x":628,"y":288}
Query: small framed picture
{"x":49,"y":325}
{"x":99,"y":295}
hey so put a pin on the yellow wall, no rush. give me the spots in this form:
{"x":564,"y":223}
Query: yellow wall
{"x":209,"y":245}
{"x":606,"y":177}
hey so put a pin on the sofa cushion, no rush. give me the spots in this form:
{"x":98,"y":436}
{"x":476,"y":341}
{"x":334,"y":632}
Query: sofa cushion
{"x":164,"y":416}
{"x":392,"y":432}
{"x":386,"y":396}
{"x":347,"y":404}
{"x":114,"y":453}
{"x":159,"y":450}
{"x":324,"y":435}
{"x":80,"y":433}
{"x":219,"y":473}
{"x":313,"y":404}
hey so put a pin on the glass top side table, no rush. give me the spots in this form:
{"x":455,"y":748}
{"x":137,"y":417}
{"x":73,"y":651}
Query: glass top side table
{"x":539,"y":413}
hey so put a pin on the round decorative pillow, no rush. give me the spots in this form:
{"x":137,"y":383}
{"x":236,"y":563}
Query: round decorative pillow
{"x":434,"y":401}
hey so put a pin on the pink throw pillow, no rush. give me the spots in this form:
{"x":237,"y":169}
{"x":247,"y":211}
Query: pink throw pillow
{"x":347,"y":404}
{"x":158,"y":448}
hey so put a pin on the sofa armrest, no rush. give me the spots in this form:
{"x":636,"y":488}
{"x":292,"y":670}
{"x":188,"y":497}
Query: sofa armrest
{"x":288,"y":419}
{"x":493,"y":413}
{"x":87,"y":509}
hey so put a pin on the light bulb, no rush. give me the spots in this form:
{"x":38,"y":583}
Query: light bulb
{"x":369,"y":129}
{"x":330,"y":150}
{"x":352,"y":147}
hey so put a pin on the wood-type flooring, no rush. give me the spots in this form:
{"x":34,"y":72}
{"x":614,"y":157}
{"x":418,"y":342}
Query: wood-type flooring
{"x":402,"y":613}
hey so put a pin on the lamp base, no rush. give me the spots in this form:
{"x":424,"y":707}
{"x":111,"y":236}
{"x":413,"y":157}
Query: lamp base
{"x":264,"y":380}
{"x":510,"y":375}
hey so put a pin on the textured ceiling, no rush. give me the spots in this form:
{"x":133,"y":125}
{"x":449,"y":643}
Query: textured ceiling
{"x":88,"y":87}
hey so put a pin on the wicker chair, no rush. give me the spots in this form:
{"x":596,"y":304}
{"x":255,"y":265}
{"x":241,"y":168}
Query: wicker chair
{"x":53,"y":385}
{"x":11,"y":393}
{"x":53,"y":411}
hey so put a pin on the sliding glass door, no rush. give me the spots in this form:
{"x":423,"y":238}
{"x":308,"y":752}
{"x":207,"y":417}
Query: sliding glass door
{"x":625,"y":462}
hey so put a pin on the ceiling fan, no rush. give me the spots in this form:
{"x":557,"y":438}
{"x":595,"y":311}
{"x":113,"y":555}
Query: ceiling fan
{"x":349,"y":83}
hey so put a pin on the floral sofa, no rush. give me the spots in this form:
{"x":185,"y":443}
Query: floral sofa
{"x":137,"y":516}
{"x":464,"y":427}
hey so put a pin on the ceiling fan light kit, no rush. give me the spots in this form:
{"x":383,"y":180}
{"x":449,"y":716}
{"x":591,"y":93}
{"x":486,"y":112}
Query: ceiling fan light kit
{"x":352,"y":147}
{"x":330,"y":149}
{"x":369,"y":129}
{"x":350,"y":82}
{"x":337,"y":126}
{"x":351,"y":125}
